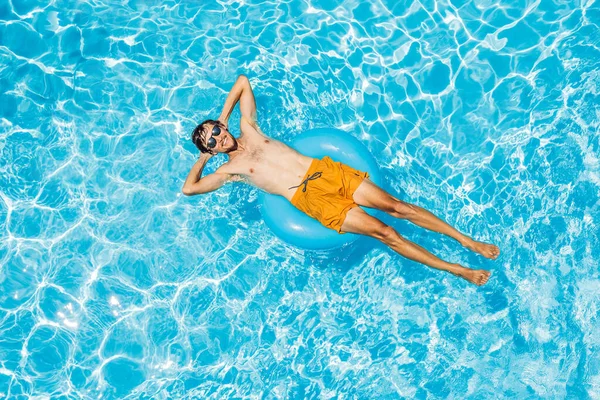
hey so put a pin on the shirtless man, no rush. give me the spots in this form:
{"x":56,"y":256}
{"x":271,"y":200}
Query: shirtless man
{"x":278,"y":169}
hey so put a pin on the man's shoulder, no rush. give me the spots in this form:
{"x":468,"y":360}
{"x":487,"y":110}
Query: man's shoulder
{"x":225,"y":168}
{"x":229,"y":173}
{"x":232,"y":167}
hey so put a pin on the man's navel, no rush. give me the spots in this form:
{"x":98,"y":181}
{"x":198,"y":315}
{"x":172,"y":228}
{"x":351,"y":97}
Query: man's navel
{"x":251,"y":170}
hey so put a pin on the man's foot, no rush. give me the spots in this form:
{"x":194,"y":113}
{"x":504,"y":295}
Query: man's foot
{"x":476,"y":276}
{"x":487,"y":250}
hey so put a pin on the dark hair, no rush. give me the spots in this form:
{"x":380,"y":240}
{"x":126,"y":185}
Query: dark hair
{"x":197,"y":134}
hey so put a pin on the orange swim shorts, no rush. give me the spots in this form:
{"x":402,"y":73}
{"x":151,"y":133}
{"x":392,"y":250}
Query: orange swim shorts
{"x":326,"y":191}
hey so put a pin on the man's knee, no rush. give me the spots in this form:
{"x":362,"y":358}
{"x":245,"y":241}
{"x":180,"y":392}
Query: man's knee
{"x":404,"y":210}
{"x":386,"y":233}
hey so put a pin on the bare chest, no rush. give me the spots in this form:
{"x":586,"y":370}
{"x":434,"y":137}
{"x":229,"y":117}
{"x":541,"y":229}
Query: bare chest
{"x":270,"y":165}
{"x":258,"y":159}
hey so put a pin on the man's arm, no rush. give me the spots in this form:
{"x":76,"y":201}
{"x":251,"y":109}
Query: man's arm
{"x":207,"y":184}
{"x":242,"y":92}
{"x":195,"y":184}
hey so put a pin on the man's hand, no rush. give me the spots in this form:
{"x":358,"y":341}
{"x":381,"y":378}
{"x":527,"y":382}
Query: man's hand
{"x":205,"y":156}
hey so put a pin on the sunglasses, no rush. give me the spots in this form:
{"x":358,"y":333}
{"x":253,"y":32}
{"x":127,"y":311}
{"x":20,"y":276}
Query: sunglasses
{"x":212,"y":143}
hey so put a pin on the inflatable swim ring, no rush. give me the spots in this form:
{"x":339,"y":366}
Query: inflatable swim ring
{"x":291,"y":224}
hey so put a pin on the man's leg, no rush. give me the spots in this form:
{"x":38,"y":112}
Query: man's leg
{"x":370,"y":195}
{"x":358,"y":221}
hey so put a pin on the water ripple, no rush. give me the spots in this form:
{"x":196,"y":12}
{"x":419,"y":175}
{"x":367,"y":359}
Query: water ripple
{"x":113,"y":284}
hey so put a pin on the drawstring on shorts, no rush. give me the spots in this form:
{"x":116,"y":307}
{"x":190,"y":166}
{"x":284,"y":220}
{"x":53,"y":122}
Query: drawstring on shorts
{"x":305,"y":182}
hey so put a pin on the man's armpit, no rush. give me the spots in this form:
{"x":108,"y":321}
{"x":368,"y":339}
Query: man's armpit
{"x":236,"y":178}
{"x":249,"y":121}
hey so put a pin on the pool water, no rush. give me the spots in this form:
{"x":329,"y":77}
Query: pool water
{"x":115,"y":285}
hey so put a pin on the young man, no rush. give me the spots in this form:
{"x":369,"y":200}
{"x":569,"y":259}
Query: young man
{"x":313,"y":185}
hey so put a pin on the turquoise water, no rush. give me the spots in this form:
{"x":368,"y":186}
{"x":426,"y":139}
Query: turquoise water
{"x":115,"y":285}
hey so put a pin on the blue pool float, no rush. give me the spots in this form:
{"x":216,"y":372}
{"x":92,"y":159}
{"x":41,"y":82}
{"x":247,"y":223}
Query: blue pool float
{"x":291,"y":224}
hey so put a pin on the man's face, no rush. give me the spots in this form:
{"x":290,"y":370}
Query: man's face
{"x":217,"y":139}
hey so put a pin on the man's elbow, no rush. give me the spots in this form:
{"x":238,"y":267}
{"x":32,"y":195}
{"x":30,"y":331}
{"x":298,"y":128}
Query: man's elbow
{"x":188,"y":192}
